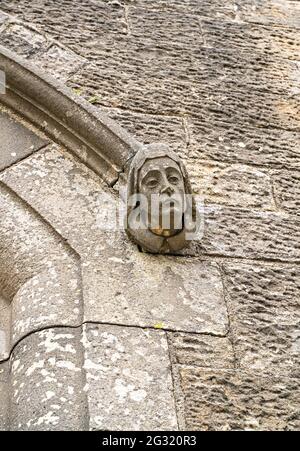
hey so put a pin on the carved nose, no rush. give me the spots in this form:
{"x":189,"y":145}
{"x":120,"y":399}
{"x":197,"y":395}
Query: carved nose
{"x":167,"y":190}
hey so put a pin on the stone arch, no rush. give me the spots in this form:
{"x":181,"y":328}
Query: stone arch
{"x":116,"y":350}
{"x":72,"y":122}
{"x":40,"y":278}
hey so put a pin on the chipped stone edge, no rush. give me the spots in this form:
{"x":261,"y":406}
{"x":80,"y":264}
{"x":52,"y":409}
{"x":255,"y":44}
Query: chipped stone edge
{"x":66,"y":118}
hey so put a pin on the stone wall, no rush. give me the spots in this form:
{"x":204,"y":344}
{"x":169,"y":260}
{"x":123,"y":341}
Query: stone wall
{"x":218,"y":81}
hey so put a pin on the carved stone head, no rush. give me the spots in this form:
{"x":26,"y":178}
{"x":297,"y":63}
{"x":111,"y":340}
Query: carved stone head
{"x":160,"y":206}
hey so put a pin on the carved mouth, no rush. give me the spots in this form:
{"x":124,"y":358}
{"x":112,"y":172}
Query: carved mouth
{"x":171,"y":203}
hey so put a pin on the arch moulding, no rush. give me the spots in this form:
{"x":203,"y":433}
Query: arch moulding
{"x":66,"y":118}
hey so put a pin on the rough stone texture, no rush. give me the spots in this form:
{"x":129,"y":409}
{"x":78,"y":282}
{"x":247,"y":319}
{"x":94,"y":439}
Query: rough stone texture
{"x":39,"y":274}
{"x":23,"y":40}
{"x":3,"y":18}
{"x":218,"y":81}
{"x":236,"y":232}
{"x":59,"y":62}
{"x":47,"y":381}
{"x":5,"y":322}
{"x":17,"y":142}
{"x":3,"y":396}
{"x":201,"y":350}
{"x":149,"y":291}
{"x":52,"y":297}
{"x":28,"y":244}
{"x":129,"y":379}
{"x":287,"y":191}
{"x":232,"y":184}
{"x":41,"y":180}
{"x":140,"y":290}
{"x":149,"y":128}
{"x":223,"y":400}
{"x":263,"y":302}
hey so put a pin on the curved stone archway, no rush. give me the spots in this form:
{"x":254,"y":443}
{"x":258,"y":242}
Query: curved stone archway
{"x":214,"y":325}
{"x":97,"y":140}
{"x":97,"y":316}
{"x":40,"y":275}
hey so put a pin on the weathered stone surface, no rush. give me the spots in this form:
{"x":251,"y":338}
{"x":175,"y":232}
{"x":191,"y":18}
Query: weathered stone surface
{"x":222,"y":400}
{"x":47,"y":382}
{"x":52,"y":297}
{"x":3,"y":18}
{"x":280,"y":12}
{"x":266,"y":40}
{"x":129,"y":379}
{"x":5,"y":321}
{"x":232,"y":185}
{"x":152,"y":291}
{"x":180,"y":295}
{"x":220,"y":83}
{"x":202,"y":350}
{"x":4,"y":389}
{"x":239,"y":90}
{"x":263,"y":302}
{"x":98,"y":19}
{"x":169,"y":90}
{"x":287,"y":191}
{"x":226,"y":86}
{"x":59,"y":62}
{"x":257,"y":234}
{"x":63,"y":191}
{"x":23,"y":40}
{"x":28,"y":244}
{"x":234,"y":143}
{"x":17,"y":142}
{"x":171,"y":130}
{"x":39,"y":274}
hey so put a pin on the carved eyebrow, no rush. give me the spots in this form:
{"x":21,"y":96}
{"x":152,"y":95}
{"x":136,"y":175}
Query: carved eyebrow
{"x":171,"y":168}
{"x":151,"y":173}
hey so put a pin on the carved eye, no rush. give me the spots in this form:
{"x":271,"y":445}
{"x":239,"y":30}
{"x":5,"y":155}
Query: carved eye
{"x":152,"y":183}
{"x":173,"y":179}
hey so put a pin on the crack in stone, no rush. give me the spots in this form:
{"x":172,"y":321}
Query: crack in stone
{"x":22,"y":160}
{"x":84,"y":323}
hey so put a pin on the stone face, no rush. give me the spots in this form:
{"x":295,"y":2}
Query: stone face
{"x":129,"y":379}
{"x":158,"y":172}
{"x":263,"y":304}
{"x":201,"y":350}
{"x":218,"y":81}
{"x":227,"y":400}
{"x":137,"y":289}
{"x":17,"y":142}
{"x":51,"y":362}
